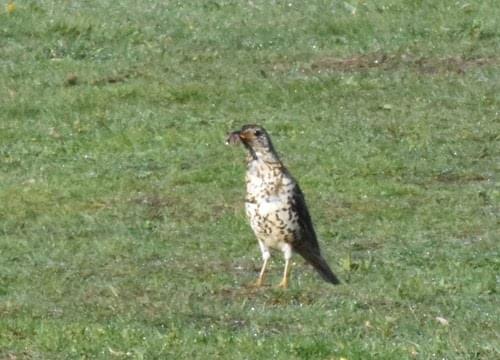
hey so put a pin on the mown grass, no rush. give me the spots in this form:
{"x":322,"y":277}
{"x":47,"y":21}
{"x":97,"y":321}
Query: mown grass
{"x":122,"y":231}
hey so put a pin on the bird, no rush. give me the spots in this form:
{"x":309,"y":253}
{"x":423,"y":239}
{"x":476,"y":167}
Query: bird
{"x":276,"y":207}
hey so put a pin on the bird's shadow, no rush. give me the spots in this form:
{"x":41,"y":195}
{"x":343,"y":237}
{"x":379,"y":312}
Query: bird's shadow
{"x":268,"y":295}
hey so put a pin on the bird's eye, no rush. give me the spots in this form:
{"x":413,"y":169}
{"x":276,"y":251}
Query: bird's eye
{"x":258,"y":133}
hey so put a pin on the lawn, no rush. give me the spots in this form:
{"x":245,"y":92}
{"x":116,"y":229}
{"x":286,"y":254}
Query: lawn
{"x":122,"y":228}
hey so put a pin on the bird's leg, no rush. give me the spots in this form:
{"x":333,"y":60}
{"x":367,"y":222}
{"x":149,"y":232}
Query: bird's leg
{"x":287,"y":251}
{"x":260,"y":280}
{"x":265,"y":257}
{"x":286,"y":275}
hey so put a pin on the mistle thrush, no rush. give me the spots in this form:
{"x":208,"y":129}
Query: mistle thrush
{"x":275,"y":206}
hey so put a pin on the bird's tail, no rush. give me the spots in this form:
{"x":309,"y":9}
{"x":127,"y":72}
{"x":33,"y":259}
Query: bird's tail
{"x":321,"y":266}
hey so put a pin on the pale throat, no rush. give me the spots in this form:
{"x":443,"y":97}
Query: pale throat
{"x":265,"y":155}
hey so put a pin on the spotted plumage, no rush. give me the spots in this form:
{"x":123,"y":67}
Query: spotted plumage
{"x":275,"y":206}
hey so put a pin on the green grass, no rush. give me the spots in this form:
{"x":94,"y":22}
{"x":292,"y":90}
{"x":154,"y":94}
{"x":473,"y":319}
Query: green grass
{"x":122,"y":230}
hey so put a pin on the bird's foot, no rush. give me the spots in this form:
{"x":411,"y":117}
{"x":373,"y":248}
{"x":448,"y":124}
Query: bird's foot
{"x":257,"y":284}
{"x":283,"y":284}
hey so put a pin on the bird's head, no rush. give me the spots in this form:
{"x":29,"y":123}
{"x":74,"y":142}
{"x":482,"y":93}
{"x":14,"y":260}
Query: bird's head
{"x":256,"y":139}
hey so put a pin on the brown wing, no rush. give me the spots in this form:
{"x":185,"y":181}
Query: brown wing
{"x":307,"y":236}
{"x":306,"y":242}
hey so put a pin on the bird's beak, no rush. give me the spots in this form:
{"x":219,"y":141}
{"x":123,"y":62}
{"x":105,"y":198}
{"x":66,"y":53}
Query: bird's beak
{"x":243,"y":136}
{"x":246,"y":136}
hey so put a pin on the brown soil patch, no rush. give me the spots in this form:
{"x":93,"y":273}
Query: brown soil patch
{"x":421,"y":64}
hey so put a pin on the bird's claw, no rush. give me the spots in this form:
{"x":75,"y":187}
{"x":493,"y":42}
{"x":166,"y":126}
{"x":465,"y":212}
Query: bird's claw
{"x":283,"y":284}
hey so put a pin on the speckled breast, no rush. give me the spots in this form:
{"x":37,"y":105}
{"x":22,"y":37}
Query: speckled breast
{"x":269,"y":203}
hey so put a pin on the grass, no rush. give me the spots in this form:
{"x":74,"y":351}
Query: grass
{"x":122,"y":231}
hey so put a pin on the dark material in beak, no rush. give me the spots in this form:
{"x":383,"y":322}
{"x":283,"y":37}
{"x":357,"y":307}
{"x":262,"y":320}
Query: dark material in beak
{"x":233,"y":138}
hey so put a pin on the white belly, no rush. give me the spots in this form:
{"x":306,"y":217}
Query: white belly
{"x":272,"y":222}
